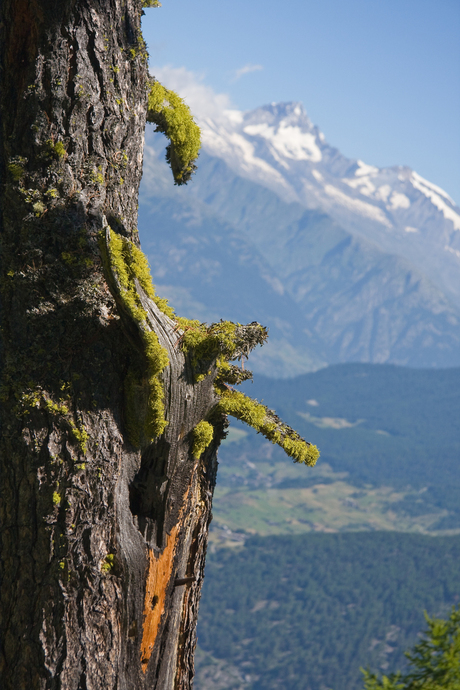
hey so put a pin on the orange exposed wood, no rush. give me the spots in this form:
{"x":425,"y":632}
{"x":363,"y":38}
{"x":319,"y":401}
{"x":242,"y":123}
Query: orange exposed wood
{"x":159,"y":574}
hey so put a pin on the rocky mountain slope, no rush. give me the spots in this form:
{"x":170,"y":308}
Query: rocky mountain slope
{"x":278,"y":147}
{"x":343,"y":261}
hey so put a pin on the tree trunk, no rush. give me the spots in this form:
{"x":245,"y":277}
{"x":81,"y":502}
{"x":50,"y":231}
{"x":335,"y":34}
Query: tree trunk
{"x":102,"y":543}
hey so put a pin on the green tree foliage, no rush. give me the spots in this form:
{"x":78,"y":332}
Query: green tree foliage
{"x":435,"y":660}
{"x":306,"y":611}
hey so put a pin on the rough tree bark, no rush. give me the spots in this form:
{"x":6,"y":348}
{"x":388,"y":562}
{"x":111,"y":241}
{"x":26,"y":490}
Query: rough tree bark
{"x":102,"y":542}
{"x":95,"y":534}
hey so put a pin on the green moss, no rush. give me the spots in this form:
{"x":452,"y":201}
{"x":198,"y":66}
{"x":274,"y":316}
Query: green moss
{"x":216,"y":343}
{"x":208,"y":347}
{"x":173,"y":117}
{"x":151,"y":3}
{"x":108,"y":563}
{"x":16,"y":170}
{"x":55,"y":150}
{"x":37,"y":399}
{"x":129,"y":262}
{"x":56,"y":498}
{"x":59,"y":149}
{"x":208,"y":342}
{"x":264,"y":421}
{"x":143,"y":394}
{"x":202,"y":436}
{"x":80,"y":435}
{"x":96,"y":178}
{"x":55,"y":408}
{"x":39,"y":208}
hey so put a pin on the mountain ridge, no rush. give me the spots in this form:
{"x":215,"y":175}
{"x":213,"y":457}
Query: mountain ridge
{"x":353,"y":293}
{"x":279,"y":147}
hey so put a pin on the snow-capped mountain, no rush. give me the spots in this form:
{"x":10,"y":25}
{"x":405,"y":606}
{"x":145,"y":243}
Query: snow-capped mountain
{"x":341,"y":260}
{"x":278,"y":147}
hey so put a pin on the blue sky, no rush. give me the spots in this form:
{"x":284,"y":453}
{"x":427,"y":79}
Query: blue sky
{"x":381,"y":79}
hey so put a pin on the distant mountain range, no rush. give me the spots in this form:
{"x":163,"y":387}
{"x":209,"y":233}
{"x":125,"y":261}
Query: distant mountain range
{"x":341,"y":260}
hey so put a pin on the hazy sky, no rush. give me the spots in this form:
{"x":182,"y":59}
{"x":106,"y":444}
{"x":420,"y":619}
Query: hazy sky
{"x":381,"y":79}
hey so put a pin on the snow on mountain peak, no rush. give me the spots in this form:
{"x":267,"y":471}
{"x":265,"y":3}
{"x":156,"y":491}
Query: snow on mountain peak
{"x":287,"y":131}
{"x":364,"y":169}
{"x":292,"y":113}
{"x":288,"y":140}
{"x":438,"y":197}
{"x":277,"y":145}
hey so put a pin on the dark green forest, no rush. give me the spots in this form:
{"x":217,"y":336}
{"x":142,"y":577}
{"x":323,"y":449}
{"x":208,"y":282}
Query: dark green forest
{"x":381,"y":424}
{"x":416,"y":409}
{"x":304,"y":612}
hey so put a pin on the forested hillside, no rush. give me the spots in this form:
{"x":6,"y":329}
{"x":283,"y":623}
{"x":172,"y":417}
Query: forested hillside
{"x":390,"y":450}
{"x":291,"y":609}
{"x":305,"y":612}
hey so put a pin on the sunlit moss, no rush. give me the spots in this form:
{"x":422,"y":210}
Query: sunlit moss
{"x":173,"y":118}
{"x":144,"y":395}
{"x":202,"y":436}
{"x":55,"y":150}
{"x":108,"y":563}
{"x":37,"y":399}
{"x":210,"y":348}
{"x":80,"y":435}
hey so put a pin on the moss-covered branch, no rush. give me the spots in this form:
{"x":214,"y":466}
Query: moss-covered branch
{"x":211,"y":350}
{"x":266,"y":422}
{"x":173,"y":118}
{"x":224,"y":341}
{"x":219,"y":343}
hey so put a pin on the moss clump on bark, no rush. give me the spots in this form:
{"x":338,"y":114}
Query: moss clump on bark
{"x":144,"y":396}
{"x":16,"y":167}
{"x":38,"y":400}
{"x":55,"y":150}
{"x":173,"y":118}
{"x":108,"y":563}
{"x":217,"y":345}
{"x":202,"y":436}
